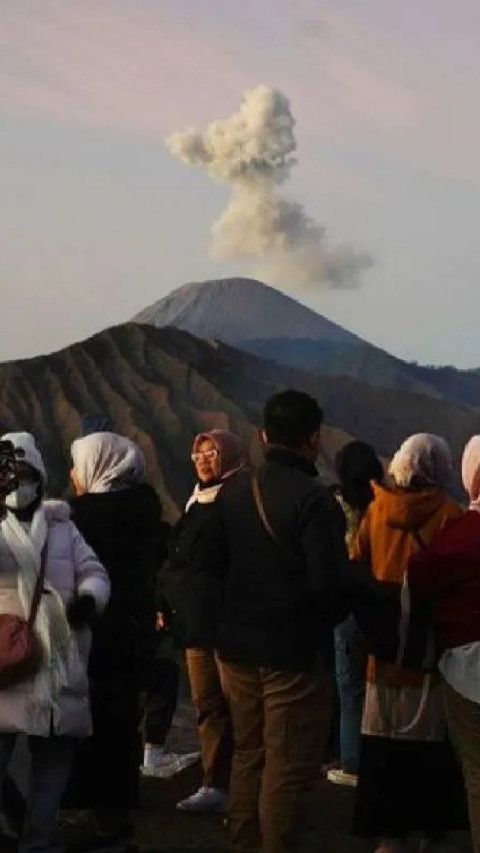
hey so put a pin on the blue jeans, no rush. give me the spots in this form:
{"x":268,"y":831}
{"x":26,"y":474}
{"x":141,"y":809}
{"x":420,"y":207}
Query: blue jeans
{"x":350,"y":667}
{"x":51,"y":761}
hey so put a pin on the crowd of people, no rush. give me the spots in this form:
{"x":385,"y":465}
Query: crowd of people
{"x":296,"y":605}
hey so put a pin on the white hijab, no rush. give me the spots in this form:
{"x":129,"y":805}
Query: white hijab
{"x":107,"y":462}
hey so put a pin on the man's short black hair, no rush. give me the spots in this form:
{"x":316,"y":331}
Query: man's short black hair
{"x":291,"y":418}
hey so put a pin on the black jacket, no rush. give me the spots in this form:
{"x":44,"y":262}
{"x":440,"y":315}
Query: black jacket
{"x":124,"y":529}
{"x":280,"y":608}
{"x":193,"y":577}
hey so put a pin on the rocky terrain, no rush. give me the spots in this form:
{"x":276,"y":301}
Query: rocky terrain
{"x":161,"y":386}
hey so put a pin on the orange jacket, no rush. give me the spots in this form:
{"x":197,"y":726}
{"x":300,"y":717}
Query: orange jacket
{"x":385,"y":540}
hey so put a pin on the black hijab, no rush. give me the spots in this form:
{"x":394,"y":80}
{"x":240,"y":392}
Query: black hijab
{"x":357,"y":465}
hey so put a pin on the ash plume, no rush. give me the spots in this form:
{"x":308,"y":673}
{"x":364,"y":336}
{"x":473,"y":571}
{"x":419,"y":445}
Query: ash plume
{"x":253,"y":152}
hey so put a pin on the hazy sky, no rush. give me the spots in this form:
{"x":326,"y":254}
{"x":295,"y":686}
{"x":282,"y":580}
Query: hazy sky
{"x":97,"y":219}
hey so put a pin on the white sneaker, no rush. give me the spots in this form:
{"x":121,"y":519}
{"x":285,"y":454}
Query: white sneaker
{"x":205,"y":800}
{"x":169,"y":765}
{"x":341,"y":777}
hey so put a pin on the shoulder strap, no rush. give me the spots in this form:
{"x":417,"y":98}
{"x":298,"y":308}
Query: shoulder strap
{"x":264,"y":519}
{"x":406,"y":604}
{"x":418,"y":539}
{"x":37,"y":593}
{"x":405,"y":614}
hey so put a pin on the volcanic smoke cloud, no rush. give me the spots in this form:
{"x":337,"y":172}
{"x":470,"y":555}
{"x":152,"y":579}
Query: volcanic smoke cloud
{"x":253,"y":152}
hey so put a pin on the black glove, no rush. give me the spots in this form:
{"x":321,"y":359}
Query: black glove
{"x":81,"y":611}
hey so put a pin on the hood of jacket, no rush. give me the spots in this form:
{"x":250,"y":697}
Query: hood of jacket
{"x":406,"y":509}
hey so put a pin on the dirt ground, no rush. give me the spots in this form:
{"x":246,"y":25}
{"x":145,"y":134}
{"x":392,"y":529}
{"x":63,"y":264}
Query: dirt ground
{"x":161,"y":829}
{"x":164,"y":830}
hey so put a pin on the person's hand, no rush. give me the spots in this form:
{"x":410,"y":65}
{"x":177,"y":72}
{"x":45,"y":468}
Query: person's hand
{"x":160,"y":623}
{"x":81,"y":611}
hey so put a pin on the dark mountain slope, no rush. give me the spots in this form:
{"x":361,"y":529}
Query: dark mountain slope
{"x":161,"y":386}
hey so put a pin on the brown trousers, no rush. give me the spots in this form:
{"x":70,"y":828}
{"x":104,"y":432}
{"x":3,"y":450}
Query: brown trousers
{"x":280,"y":725}
{"x":213,"y":717}
{"x":463,"y":717}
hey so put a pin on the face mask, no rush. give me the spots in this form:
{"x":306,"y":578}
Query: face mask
{"x":23,"y":497}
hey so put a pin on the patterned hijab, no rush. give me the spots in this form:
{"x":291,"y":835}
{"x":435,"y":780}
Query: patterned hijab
{"x":423,"y":460}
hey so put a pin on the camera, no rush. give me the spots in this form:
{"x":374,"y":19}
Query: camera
{"x":8,"y":468}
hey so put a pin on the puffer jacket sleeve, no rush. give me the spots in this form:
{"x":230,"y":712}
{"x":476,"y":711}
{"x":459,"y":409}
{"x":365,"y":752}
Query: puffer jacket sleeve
{"x":90,"y":576}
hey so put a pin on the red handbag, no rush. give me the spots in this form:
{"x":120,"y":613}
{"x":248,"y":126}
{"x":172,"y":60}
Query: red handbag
{"x":20,"y":649}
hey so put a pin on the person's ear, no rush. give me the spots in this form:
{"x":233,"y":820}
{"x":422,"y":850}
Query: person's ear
{"x":315,"y":441}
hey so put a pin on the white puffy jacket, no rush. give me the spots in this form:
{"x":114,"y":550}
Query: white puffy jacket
{"x":72,"y":568}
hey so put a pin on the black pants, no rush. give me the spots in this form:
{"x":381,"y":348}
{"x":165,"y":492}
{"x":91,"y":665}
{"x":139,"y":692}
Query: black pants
{"x":13,"y":804}
{"x":331,"y":752}
{"x":106,"y":773}
{"x":408,"y":786}
{"x":51,"y":762}
{"x":162,"y":701}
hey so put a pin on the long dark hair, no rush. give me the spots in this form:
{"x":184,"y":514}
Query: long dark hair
{"x":357,"y":465}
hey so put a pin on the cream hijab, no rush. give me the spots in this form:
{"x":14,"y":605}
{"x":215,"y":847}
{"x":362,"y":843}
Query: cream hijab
{"x":107,"y":462}
{"x":424,"y":459}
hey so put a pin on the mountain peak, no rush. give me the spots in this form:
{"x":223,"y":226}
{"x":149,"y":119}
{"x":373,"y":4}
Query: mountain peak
{"x":235,"y":310}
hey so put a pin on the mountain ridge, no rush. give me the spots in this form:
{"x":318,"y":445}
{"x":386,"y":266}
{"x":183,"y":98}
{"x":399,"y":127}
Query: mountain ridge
{"x":162,"y":386}
{"x":264,"y":321}
{"x":219,"y":308}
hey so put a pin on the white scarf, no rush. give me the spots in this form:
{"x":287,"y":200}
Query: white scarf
{"x":61,"y":662}
{"x":203,"y":496}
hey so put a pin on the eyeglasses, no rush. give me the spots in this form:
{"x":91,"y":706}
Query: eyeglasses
{"x":209,"y":455}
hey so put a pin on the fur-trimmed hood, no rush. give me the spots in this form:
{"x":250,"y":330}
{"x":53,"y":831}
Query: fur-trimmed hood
{"x":57,"y":511}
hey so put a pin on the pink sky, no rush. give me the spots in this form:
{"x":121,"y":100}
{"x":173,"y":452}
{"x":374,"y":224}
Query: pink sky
{"x":143,"y":68}
{"x":377,"y":89}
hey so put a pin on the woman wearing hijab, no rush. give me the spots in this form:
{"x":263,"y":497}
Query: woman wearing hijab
{"x":357,"y":466}
{"x":51,"y":708}
{"x":406,"y":772}
{"x":194,"y":589}
{"x":120,"y":516}
{"x":447,"y":573}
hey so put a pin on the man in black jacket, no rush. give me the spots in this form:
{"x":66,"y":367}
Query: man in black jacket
{"x":284,"y":537}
